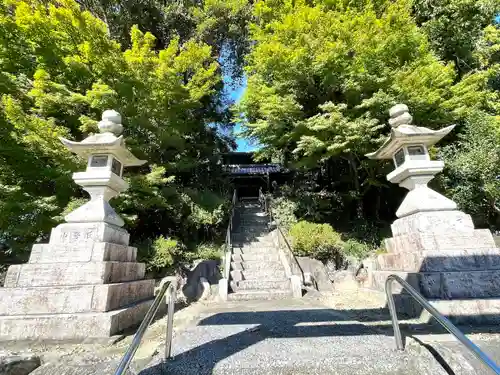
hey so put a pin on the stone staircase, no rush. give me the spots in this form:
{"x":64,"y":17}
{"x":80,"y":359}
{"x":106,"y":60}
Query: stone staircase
{"x":256,"y":269}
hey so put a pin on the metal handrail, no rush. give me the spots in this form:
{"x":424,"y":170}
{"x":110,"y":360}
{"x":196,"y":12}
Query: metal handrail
{"x":230,"y":226}
{"x":136,"y":341}
{"x":295,"y":267}
{"x":449,"y":326}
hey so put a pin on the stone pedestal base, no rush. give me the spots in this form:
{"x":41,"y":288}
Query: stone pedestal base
{"x":84,"y":283}
{"x":74,"y":299}
{"x":460,"y":311}
{"x":443,"y":257}
{"x":72,"y":326}
{"x":445,"y":285}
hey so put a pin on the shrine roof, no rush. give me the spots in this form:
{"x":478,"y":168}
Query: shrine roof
{"x":253,"y":169}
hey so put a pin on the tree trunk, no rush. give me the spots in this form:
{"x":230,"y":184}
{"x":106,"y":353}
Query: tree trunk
{"x":353,"y":165}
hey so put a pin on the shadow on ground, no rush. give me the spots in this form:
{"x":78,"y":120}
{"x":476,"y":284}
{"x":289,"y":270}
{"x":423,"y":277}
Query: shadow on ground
{"x":287,"y":324}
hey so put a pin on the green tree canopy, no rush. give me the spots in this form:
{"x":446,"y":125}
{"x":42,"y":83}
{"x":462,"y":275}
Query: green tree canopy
{"x":59,"y":69}
{"x":323,"y":75}
{"x":321,"y":81}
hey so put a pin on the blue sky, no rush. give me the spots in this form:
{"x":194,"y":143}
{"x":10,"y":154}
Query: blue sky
{"x":235,"y":91}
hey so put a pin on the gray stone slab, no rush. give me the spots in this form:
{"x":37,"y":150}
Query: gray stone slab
{"x":441,"y":222}
{"x":71,"y":326}
{"x":438,"y":261}
{"x":85,"y":252}
{"x":420,"y":241}
{"x":80,"y":233}
{"x":473,"y":311}
{"x":73,"y":299}
{"x":47,"y":274}
{"x":445,"y":285}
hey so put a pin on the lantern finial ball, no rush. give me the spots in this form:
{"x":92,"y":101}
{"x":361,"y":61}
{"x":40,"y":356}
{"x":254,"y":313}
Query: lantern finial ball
{"x":111,"y":122}
{"x":399,"y":115}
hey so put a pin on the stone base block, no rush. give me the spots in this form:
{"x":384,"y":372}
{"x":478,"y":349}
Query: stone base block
{"x":81,"y":233}
{"x":433,"y":222}
{"x":445,"y":285}
{"x":441,"y":261}
{"x":460,"y":311}
{"x":73,"y":299}
{"x":86,"y":252}
{"x":420,"y":241}
{"x":47,"y":274}
{"x":71,"y":326}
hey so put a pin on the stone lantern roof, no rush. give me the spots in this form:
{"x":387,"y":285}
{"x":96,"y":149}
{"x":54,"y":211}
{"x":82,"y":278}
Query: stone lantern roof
{"x":109,"y":141}
{"x":403,"y":133}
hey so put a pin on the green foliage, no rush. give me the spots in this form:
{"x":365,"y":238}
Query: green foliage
{"x":164,"y":253}
{"x":318,"y":241}
{"x":207,"y":251}
{"x":454,"y":27}
{"x":222,"y":24}
{"x":321,"y":80}
{"x":59,"y":69}
{"x":472,"y":178}
{"x":283,"y":210}
{"x":322,"y":76}
{"x":357,"y":249}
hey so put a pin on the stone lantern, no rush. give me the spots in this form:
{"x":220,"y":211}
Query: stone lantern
{"x":434,"y":246}
{"x":106,"y":157}
{"x":408,"y":147}
{"x":86,"y":282}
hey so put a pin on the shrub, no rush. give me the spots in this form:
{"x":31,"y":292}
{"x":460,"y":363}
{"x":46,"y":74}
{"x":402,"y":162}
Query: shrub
{"x":165,"y":251}
{"x":206,"y":251}
{"x":353,"y":248}
{"x":284,"y":212}
{"x":319,"y":241}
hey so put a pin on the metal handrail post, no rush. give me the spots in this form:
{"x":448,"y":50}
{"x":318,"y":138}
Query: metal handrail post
{"x":170,"y":321}
{"x":136,"y":341}
{"x":449,"y":326}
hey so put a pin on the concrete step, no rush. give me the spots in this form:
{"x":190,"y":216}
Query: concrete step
{"x":251,"y":238}
{"x":253,"y":250}
{"x":242,"y":224}
{"x":252,"y":265}
{"x":253,"y":245}
{"x":275,"y":284}
{"x":269,"y":256}
{"x":263,"y":274}
{"x":252,"y":218}
{"x":249,"y":295}
{"x":251,"y":230}
{"x":257,"y":215}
